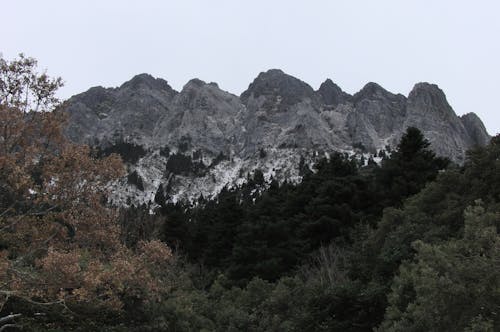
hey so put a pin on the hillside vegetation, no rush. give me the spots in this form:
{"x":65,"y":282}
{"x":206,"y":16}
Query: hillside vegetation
{"x":411,"y":244}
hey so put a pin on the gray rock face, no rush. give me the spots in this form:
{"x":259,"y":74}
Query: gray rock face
{"x":428,"y":109}
{"x":202,"y":117}
{"x":378,"y":117}
{"x":475,"y":128}
{"x":275,"y":84}
{"x":331,"y":94}
{"x":285,"y":112}
{"x":129,"y":113}
{"x":202,"y":138}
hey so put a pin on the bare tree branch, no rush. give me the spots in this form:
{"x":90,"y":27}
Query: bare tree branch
{"x":8,"y":318}
{"x":9,"y":325}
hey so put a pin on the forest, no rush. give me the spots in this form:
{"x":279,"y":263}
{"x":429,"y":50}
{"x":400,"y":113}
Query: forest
{"x":410,"y":244}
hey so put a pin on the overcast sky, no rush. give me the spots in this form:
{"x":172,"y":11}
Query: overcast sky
{"x":453,"y":43}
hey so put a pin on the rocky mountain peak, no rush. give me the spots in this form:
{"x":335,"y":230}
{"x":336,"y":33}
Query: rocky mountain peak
{"x":275,"y":82}
{"x":475,"y":128}
{"x":197,"y":94}
{"x":194,"y":83}
{"x":429,"y":97}
{"x":331,"y":94}
{"x":429,"y":110}
{"x":372,"y":90}
{"x":378,"y":118}
{"x":146,"y":81}
{"x":95,"y":96}
{"x":129,"y":113}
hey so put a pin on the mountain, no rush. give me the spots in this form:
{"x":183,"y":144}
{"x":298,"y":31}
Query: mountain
{"x":194,"y":142}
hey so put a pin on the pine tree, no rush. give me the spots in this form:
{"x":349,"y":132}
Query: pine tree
{"x":409,"y":167}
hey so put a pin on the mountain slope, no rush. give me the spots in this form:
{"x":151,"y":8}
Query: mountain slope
{"x":195,"y":141}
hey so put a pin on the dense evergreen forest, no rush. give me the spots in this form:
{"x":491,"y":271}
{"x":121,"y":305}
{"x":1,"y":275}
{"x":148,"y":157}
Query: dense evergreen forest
{"x":411,"y":244}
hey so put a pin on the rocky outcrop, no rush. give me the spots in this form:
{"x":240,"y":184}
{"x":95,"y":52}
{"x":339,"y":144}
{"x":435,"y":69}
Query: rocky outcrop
{"x":278,"y":89}
{"x":475,"y":128}
{"x":202,"y":138}
{"x":331,"y":94}
{"x":428,"y":109}
{"x":378,"y":117}
{"x":284,"y":112}
{"x":129,"y":113}
{"x":202,"y":117}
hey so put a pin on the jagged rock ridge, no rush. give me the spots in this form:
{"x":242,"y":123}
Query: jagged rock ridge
{"x":199,"y":139}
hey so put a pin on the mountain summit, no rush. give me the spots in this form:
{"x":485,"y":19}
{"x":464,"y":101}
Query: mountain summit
{"x":275,"y":82}
{"x":202,"y":138}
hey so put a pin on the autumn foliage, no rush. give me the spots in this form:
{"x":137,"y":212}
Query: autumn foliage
{"x":59,"y":239}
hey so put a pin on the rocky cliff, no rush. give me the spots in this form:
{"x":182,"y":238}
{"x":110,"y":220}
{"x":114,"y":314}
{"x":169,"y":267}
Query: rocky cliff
{"x":195,"y":141}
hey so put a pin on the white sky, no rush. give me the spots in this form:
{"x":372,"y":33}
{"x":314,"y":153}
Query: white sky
{"x":453,"y":43}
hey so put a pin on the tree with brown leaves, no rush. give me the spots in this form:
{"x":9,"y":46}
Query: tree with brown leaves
{"x":59,"y":240}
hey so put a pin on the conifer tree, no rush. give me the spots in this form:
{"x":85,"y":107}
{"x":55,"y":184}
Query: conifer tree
{"x":409,"y":167}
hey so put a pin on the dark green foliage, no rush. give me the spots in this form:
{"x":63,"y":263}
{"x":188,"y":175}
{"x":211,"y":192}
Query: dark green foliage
{"x":175,"y":228}
{"x":275,"y":230}
{"x":350,"y":248}
{"x":165,"y":151}
{"x":197,"y":155}
{"x":482,"y":171}
{"x":220,"y":157}
{"x":459,"y":279}
{"x":359,"y":146}
{"x":436,"y":213}
{"x":184,"y":143}
{"x":213,"y":229}
{"x":408,"y":169}
{"x":135,"y":179}
{"x":138,"y":224}
{"x":258,"y":177}
{"x":324,"y":255}
{"x":247,"y":232}
{"x":160,"y":197}
{"x":130,"y":152}
{"x":262,"y":153}
{"x":181,"y":164}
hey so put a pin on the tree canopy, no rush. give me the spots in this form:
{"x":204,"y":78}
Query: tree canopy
{"x":60,"y":242}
